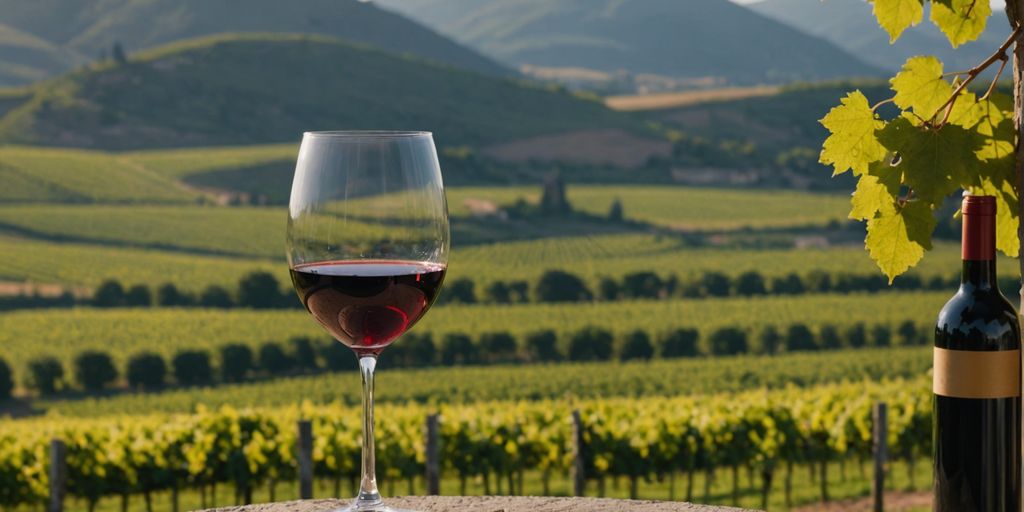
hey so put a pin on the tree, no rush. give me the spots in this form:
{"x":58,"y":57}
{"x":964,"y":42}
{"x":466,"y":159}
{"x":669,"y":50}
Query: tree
{"x":235,"y":362}
{"x":498,"y":347}
{"x":789,"y":284}
{"x":818,"y":281}
{"x":192,"y":368}
{"x":829,"y":337}
{"x":615,"y":213}
{"x":715,"y":284}
{"x":273,"y":359}
{"x":553,"y":200}
{"x":94,"y":370}
{"x":45,"y":374}
{"x":214,"y":296}
{"x":559,"y":286}
{"x":591,"y":344}
{"x":168,"y":295}
{"x":881,"y":336}
{"x":498,"y":293}
{"x":856,"y":336}
{"x":635,"y":345}
{"x":6,"y":380}
{"x":679,"y":343}
{"x":728,"y":341}
{"x":303,"y":354}
{"x":338,"y":357}
{"x":420,"y":349}
{"x":259,"y":290}
{"x":799,"y":338}
{"x":750,"y":283}
{"x":520,"y":291}
{"x":109,"y":294}
{"x":642,"y":285}
{"x":542,"y":346}
{"x":117,"y":51}
{"x":146,"y":371}
{"x":459,"y":291}
{"x":138,"y":296}
{"x":608,"y":289}
{"x":770,"y":340}
{"x":458,"y":349}
{"x":937,"y":122}
{"x":908,"y":333}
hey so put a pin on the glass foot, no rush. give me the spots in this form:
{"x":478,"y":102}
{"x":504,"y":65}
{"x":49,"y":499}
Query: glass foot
{"x":371,"y":508}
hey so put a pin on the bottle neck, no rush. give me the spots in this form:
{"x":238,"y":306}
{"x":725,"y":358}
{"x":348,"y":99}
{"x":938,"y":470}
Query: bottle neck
{"x":979,"y":274}
{"x":979,"y":250}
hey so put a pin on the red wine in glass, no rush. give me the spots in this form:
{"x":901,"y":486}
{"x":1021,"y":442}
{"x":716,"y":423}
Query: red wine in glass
{"x":367,"y":304}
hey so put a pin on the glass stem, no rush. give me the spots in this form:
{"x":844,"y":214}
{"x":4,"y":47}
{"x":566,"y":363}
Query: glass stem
{"x":368,"y":494}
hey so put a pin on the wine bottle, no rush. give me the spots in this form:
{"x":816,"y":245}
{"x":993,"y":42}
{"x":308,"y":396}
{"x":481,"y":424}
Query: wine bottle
{"x":977,"y":382}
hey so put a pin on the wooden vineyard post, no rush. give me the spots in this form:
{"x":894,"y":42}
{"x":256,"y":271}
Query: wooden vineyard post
{"x":433,"y":463}
{"x":879,"y":436}
{"x":579,"y":477}
{"x":58,"y":475}
{"x":305,"y":456}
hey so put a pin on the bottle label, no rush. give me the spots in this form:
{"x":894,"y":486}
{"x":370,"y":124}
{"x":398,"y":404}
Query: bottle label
{"x":976,"y":374}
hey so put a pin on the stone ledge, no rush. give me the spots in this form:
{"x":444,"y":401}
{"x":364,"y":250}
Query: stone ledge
{"x":493,"y":504}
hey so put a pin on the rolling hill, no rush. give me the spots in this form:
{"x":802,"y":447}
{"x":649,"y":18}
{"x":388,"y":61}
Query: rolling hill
{"x":245,"y":89}
{"x":691,"y":39}
{"x":61,"y":31}
{"x":850,"y":25}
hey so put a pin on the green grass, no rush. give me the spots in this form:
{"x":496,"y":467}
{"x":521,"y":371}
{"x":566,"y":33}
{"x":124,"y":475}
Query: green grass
{"x":456,"y":385}
{"x":180,"y":163}
{"x":64,"y":333}
{"x":37,"y":174}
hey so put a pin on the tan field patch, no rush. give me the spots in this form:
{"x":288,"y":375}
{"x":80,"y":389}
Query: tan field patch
{"x":668,"y":100}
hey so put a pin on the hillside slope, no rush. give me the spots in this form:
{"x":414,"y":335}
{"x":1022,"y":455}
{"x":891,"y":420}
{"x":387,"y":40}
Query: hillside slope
{"x":695,"y":38}
{"x":851,"y":25}
{"x":26,"y":58}
{"x":242,"y":89}
{"x":90,"y":26}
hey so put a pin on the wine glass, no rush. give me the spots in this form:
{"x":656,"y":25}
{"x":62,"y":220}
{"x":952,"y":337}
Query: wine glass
{"x":368,"y":245}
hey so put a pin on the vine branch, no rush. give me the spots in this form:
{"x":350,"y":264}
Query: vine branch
{"x":998,"y":55}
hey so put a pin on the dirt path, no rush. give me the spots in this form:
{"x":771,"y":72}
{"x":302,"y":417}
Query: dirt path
{"x":895,"y":501}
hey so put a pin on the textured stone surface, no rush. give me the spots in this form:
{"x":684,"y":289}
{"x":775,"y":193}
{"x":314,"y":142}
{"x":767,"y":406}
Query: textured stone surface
{"x":492,"y":504}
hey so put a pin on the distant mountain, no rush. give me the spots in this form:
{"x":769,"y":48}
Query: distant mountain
{"x":89,"y":27}
{"x":851,"y":25}
{"x":249,"y":88}
{"x":26,"y":58}
{"x":673,"y":38}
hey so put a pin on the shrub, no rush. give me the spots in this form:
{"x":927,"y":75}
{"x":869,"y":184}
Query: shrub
{"x":728,"y":341}
{"x":818,"y":281}
{"x":679,"y":343}
{"x":590,"y":344}
{"x":192,"y":368}
{"x":138,"y":296}
{"x":828,"y":337}
{"x":109,"y":294}
{"x":642,"y":285}
{"x":498,"y":347}
{"x":273,"y":359}
{"x":542,"y":346}
{"x":338,"y":357}
{"x":235,"y":362}
{"x":799,"y":338}
{"x":881,"y":336}
{"x":303,"y":354}
{"x":6,"y":380}
{"x":146,"y":371}
{"x":214,"y":296}
{"x":259,"y":290}
{"x":608,"y":289}
{"x":769,"y":340}
{"x":458,"y":349}
{"x":856,"y":336}
{"x":520,"y":291}
{"x":715,"y":284}
{"x":908,"y":333}
{"x":498,"y":293}
{"x":94,"y":370}
{"x":750,"y":283}
{"x":45,"y":374}
{"x":459,"y":291}
{"x":635,"y":345}
{"x":168,"y":295}
{"x":787,"y":285}
{"x":420,"y":349}
{"x":558,"y":286}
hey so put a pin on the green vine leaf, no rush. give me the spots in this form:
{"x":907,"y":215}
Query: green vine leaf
{"x":935,"y":162}
{"x":919,"y":86}
{"x":898,"y":238}
{"x":876,"y":190}
{"x":852,"y":144}
{"x":895,"y":16}
{"x":961,"y":20}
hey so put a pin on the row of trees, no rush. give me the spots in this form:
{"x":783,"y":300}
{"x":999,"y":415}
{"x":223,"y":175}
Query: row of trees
{"x":259,"y":290}
{"x":95,"y":371}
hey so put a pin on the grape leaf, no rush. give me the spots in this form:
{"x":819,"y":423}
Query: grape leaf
{"x":961,"y":20}
{"x":919,"y":86}
{"x":876,"y":190}
{"x":898,"y":238}
{"x":852,"y":143}
{"x":895,"y":16}
{"x":967,"y":110}
{"x":1007,"y":212}
{"x":934,"y":161}
{"x":995,"y":126}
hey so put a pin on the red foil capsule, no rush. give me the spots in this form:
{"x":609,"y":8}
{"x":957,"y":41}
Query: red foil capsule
{"x":979,"y":228}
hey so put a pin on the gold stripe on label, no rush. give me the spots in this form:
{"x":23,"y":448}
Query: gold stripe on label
{"x":973,"y":374}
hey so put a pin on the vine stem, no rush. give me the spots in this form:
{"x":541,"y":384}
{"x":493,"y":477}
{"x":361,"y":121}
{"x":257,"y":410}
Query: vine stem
{"x":999,"y":54}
